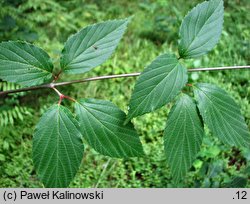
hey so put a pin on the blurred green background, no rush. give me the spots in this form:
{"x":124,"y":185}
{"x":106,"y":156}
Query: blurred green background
{"x":153,"y":30}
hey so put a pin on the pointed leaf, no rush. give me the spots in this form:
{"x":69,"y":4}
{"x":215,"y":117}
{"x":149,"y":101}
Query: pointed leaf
{"x":24,"y":64}
{"x":92,"y":46}
{"x":102,"y":126}
{"x":183,"y":136}
{"x":158,"y":84}
{"x":222,"y":115}
{"x":57,"y":147}
{"x":201,"y":29}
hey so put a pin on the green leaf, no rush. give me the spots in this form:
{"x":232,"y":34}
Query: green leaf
{"x":102,"y":124}
{"x":24,"y":64}
{"x":183,"y":136}
{"x":201,"y":29}
{"x":57,"y":147}
{"x":92,"y":46}
{"x":237,"y":182}
{"x":222,"y":115}
{"x":158,"y":84}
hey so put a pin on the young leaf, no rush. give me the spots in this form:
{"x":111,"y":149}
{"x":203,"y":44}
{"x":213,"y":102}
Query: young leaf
{"x":92,"y":46}
{"x":201,"y":29}
{"x":102,"y":125}
{"x":158,"y":84}
{"x":183,"y":136}
{"x":222,"y":115}
{"x":24,"y":64}
{"x":57,"y":147}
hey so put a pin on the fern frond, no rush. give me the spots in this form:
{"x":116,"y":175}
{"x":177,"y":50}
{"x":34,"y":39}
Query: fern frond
{"x":10,"y":110}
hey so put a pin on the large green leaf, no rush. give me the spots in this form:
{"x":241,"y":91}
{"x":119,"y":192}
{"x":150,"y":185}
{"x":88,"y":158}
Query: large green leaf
{"x":102,"y":124}
{"x":91,"y":46}
{"x":183,"y":136}
{"x":201,"y":29}
{"x":222,"y":115}
{"x":57,"y":147}
{"x":158,"y":84}
{"x":24,"y":63}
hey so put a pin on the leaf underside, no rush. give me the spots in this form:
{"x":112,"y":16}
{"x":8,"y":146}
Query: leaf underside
{"x":102,"y":124}
{"x":158,"y":84}
{"x":92,"y":46}
{"x":183,"y":136}
{"x":25,"y":64}
{"x":201,"y":29}
{"x":222,"y":115}
{"x":57,"y":147}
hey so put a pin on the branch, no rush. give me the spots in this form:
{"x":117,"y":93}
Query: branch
{"x":51,"y":85}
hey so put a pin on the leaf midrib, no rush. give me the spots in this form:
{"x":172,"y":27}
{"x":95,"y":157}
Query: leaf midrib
{"x":23,"y":63}
{"x":155,"y":88}
{"x":104,"y":125}
{"x":219,"y":112}
{"x":75,"y":57}
{"x":184,"y":54}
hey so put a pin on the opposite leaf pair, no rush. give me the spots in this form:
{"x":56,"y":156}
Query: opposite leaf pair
{"x":57,"y":142}
{"x":28,"y":65}
{"x":161,"y":81}
{"x":184,"y":129}
{"x":58,"y":146}
{"x":165,"y":78}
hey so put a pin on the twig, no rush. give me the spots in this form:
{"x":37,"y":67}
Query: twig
{"x":50,"y":85}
